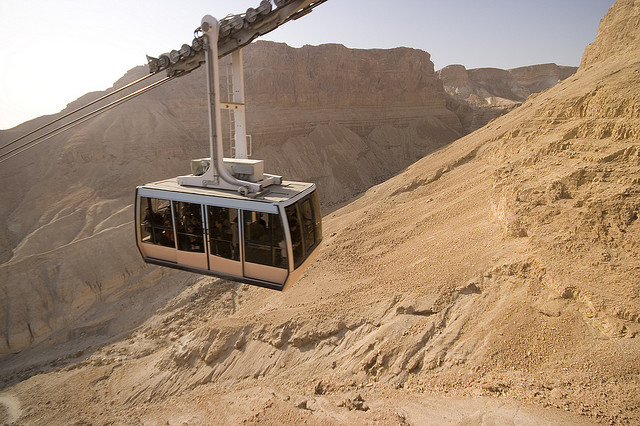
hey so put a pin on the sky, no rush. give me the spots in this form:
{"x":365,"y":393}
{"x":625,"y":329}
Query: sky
{"x":54,"y":51}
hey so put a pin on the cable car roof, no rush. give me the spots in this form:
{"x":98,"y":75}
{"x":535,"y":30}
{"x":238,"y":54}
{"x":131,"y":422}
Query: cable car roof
{"x":273,"y":194}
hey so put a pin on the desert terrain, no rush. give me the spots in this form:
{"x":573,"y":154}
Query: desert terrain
{"x":492,"y":278}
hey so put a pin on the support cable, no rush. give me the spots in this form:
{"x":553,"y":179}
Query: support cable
{"x":15,"y":151}
{"x":77,"y":110}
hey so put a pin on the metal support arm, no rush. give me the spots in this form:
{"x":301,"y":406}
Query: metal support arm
{"x":217,"y":175}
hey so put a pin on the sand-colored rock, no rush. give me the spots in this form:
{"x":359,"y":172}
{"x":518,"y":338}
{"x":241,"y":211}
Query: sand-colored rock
{"x":617,"y":34}
{"x":479,"y":95}
{"x":493,"y":281}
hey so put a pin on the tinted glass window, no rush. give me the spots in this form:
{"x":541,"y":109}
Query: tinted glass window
{"x":156,"y":226}
{"x":308,"y":225}
{"x":315,"y":203}
{"x":264,"y":239}
{"x":296,"y":234}
{"x":223,"y":232}
{"x":188,"y":217}
{"x":305,"y":225}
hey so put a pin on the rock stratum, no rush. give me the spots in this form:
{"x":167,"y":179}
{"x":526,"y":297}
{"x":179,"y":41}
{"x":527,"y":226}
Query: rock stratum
{"x":494,"y":280}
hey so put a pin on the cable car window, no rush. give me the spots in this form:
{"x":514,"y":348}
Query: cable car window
{"x":308,"y":225}
{"x":189,"y":226}
{"x":156,"y":226}
{"x":315,"y":204}
{"x":223,"y":232}
{"x":264,"y":239}
{"x":296,"y":234}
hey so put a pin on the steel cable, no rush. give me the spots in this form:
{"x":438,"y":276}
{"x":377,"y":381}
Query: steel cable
{"x":15,"y":151}
{"x":78,"y":109}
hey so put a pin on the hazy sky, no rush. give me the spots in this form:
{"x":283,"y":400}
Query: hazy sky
{"x":54,"y":51}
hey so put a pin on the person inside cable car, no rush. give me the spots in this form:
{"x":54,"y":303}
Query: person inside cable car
{"x":258,"y":229}
{"x":222,"y":237}
{"x":166,"y":235}
{"x":296,"y":236}
{"x":148,"y":218}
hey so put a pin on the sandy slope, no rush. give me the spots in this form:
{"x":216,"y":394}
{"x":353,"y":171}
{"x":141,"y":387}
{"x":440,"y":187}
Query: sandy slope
{"x":495,"y":281}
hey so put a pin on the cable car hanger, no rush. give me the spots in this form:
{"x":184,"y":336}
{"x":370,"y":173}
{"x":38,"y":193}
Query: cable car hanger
{"x":235,"y":32}
{"x":214,"y":40}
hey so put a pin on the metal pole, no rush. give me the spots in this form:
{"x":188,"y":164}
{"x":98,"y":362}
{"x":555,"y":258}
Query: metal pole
{"x":238,"y":98}
{"x":217,"y":169}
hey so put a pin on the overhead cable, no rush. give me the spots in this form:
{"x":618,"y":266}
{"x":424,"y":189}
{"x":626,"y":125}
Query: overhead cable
{"x":15,"y":151}
{"x":77,"y":110}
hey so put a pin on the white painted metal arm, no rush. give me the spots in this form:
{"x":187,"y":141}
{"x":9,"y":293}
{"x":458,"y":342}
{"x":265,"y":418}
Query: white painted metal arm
{"x":217,"y":175}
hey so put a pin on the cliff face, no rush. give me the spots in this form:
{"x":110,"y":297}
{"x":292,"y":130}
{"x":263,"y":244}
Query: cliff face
{"x":480,"y":95}
{"x":618,"y":34}
{"x":487,"y":86}
{"x":333,"y":75}
{"x":343,"y":118}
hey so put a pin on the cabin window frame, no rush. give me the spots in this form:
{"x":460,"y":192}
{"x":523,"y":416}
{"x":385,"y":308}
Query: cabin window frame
{"x":234,"y":225}
{"x":255,"y":239}
{"x":159,"y":234}
{"x":189,"y":234}
{"x":301,"y":246}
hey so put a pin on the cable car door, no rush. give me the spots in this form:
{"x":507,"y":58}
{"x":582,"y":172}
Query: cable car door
{"x":190,"y":234}
{"x":224,"y":232}
{"x":265,"y":249}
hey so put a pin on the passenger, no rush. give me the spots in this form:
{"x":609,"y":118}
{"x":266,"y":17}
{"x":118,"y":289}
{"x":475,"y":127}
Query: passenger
{"x":148,"y":219}
{"x":258,"y":230}
{"x":235,"y":254}
{"x":261,"y":220}
{"x":296,"y":239}
{"x":156,"y":224}
{"x":284,"y":256}
{"x":191,"y":219}
{"x":171,"y":239}
{"x":222,"y":237}
{"x":281,"y":255}
{"x":166,"y":215}
{"x":195,"y":240}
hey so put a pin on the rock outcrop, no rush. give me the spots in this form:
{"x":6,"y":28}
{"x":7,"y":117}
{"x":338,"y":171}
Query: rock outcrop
{"x":618,"y":34}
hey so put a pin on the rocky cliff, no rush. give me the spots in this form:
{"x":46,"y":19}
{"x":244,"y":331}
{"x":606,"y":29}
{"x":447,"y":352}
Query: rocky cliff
{"x":618,"y":34}
{"x":482,"y":94}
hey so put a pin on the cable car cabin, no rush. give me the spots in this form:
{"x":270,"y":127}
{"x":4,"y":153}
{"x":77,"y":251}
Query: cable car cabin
{"x":266,"y":240}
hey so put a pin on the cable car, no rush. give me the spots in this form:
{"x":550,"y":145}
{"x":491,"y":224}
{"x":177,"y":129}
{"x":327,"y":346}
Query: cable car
{"x":266,"y":240}
{"x":229,"y":218}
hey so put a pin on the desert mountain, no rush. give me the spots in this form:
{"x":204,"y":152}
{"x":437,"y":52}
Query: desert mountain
{"x":493,"y":280}
{"x":479,"y":95}
{"x":327,"y":127}
{"x":313,"y":116}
